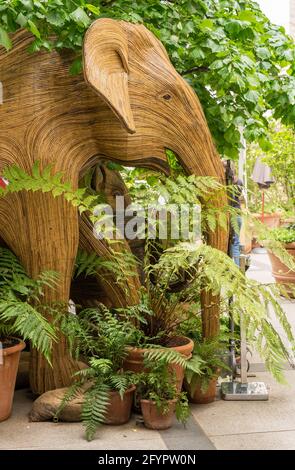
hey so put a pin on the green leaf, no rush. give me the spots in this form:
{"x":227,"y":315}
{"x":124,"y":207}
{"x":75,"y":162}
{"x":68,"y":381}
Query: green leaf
{"x":214,"y":46}
{"x":252,"y":96}
{"x":34,"y":29}
{"x":93,"y":9}
{"x":217,"y":64}
{"x":198,"y":54}
{"x":80,"y":17}
{"x":21,"y":20}
{"x":263,"y":52}
{"x":232,"y":135}
{"x":56,"y":18}
{"x":233,"y":27}
{"x":265,"y":144}
{"x":5,"y":39}
{"x":28,"y":4}
{"x":247,"y":15}
{"x":36,"y":170}
{"x":188,"y":27}
{"x":206,"y":24}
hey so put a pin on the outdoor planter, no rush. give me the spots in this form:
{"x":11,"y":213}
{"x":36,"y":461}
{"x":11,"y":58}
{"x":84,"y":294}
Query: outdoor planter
{"x":280,"y":271}
{"x":9,"y":361}
{"x":135,"y":358}
{"x":155,"y":419}
{"x":119,"y":410}
{"x":270,"y":220}
{"x":199,"y":396}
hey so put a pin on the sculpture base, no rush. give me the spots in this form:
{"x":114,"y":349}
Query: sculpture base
{"x":248,"y":391}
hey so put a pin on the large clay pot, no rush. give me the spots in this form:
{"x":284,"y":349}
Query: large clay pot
{"x":270,"y":220}
{"x":9,"y":360}
{"x":135,"y":358}
{"x":202,"y":397}
{"x":119,"y":410}
{"x":153,"y":418}
{"x":280,"y":271}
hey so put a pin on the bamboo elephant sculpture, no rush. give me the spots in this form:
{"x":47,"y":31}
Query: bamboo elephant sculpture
{"x":129,"y":107}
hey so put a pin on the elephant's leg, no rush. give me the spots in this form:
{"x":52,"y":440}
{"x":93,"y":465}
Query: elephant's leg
{"x":43,"y":232}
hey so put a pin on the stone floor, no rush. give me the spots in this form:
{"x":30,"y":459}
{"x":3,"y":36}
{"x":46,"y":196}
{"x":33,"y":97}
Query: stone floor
{"x":17,"y":433}
{"x":221,"y":425}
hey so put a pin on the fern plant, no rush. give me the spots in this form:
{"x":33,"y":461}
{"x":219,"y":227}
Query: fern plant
{"x":95,"y":383}
{"x":21,"y":310}
{"x":182,"y":270}
{"x":210,"y":269}
{"x":159,"y":386}
{"x":101,"y":338}
{"x":120,"y":264}
{"x":97,"y":332}
{"x":209,"y":354}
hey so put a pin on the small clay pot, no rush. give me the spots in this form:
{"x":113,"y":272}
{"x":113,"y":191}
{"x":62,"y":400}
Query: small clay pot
{"x":153,"y":418}
{"x":119,"y":409}
{"x":9,"y":360}
{"x":199,"y":397}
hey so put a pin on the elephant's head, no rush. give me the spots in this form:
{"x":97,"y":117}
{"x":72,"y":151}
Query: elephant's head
{"x":128,"y":67}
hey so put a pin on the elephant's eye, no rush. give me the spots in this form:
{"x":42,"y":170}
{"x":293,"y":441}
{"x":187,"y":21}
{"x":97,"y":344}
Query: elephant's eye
{"x":167,"y":97}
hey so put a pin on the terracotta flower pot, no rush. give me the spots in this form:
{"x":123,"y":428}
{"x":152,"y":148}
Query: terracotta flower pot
{"x":9,"y":359}
{"x":270,"y":220}
{"x":154,"y":419}
{"x":119,"y":410}
{"x":200,"y":397}
{"x":280,"y":271}
{"x":135,"y":358}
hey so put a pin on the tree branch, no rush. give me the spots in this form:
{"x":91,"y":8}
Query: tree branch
{"x":201,"y":68}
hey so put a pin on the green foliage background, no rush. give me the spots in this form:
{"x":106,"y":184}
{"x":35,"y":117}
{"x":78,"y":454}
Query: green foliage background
{"x":228,"y":50}
{"x":281,"y":159}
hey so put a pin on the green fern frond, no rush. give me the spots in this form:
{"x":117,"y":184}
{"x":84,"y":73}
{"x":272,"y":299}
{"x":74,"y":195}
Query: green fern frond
{"x":72,"y":392}
{"x":167,"y":356}
{"x":10,"y":266}
{"x":94,"y":408}
{"x":26,"y":321}
{"x":120,"y":383}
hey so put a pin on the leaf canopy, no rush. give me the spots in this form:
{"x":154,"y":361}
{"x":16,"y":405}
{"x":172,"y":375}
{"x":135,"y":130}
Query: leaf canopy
{"x":239,"y":63}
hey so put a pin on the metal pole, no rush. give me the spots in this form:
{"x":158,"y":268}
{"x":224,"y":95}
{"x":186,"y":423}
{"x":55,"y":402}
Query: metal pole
{"x":243,"y":338}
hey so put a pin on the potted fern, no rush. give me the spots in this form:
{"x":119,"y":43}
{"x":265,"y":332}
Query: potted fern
{"x":201,"y":386}
{"x":21,"y":319}
{"x":107,"y":395}
{"x":208,"y":355}
{"x":157,"y":318}
{"x":160,"y":399}
{"x":105,"y":391}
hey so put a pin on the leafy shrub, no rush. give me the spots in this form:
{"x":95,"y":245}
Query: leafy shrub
{"x":21,"y":310}
{"x":285,"y":234}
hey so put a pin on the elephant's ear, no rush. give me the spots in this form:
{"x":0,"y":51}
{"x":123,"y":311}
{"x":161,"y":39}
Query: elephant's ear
{"x":105,"y":55}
